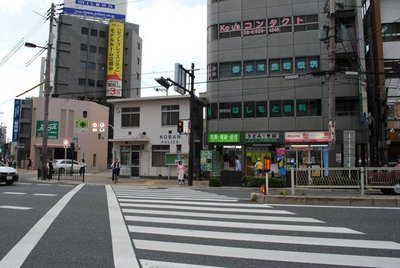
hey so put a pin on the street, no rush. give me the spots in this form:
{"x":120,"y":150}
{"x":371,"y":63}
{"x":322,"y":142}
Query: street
{"x":88,"y":225}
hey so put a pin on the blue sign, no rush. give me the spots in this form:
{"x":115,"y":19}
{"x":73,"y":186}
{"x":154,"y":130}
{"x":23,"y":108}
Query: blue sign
{"x":96,"y":9}
{"x":17,"y":117}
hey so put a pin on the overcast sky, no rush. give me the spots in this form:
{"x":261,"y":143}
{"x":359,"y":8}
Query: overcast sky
{"x":171,"y":30}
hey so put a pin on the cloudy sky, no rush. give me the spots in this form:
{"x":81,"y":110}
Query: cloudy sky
{"x":172,"y":31}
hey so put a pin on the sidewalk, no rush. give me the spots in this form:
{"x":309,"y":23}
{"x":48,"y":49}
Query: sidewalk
{"x":314,"y":196}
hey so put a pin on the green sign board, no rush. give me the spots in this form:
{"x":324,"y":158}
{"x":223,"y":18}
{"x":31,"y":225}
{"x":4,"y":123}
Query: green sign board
{"x":223,"y":137}
{"x":52,"y":129}
{"x":173,"y":159}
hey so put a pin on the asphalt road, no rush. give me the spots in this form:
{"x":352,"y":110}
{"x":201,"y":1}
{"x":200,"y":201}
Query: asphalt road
{"x":55,"y":225}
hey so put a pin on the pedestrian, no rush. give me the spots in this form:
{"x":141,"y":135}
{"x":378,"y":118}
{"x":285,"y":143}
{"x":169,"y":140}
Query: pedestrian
{"x":180,"y":171}
{"x":29,"y":164}
{"x":51,"y":170}
{"x":259,"y":166}
{"x":115,"y":166}
{"x":83,"y":167}
{"x":238,"y":165}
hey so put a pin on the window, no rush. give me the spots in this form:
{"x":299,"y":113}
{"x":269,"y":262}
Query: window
{"x":92,"y":66}
{"x":212,"y":32}
{"x":102,"y":50}
{"x":346,"y":106}
{"x":280,"y":25}
{"x":93,"y":49}
{"x":138,"y":46}
{"x":100,"y":83}
{"x":83,"y":47}
{"x":84,"y":114}
{"x":288,"y":108}
{"x":261,"y":109}
{"x":103,"y":34}
{"x":308,"y":108}
{"x":227,"y":30}
{"x":85,"y":30}
{"x":254,"y":27}
{"x":275,"y":109}
{"x":130,"y":117}
{"x":169,"y":115}
{"x":391,"y":31}
{"x":91,"y":82}
{"x":305,"y":23}
{"x":224,"y":110}
{"x":255,"y":67}
{"x":158,"y":155}
{"x":101,"y":67}
{"x":83,"y":64}
{"x":93,"y":32}
{"x":82,"y":81}
{"x":138,"y":60}
{"x":230,"y":69}
{"x":249,"y":110}
{"x":212,"y":111}
{"x":392,"y":68}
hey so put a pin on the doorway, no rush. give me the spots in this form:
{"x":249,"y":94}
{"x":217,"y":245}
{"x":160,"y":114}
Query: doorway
{"x":135,"y":164}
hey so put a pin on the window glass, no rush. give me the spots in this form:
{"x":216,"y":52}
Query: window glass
{"x":224,"y":110}
{"x":169,"y":115}
{"x":236,"y":110}
{"x":93,"y":32}
{"x":83,"y":47}
{"x":288,"y":108}
{"x":158,"y":153}
{"x":85,"y":30}
{"x":103,"y":34}
{"x":261,"y":109}
{"x":249,"y":110}
{"x":212,"y":111}
{"x":130,"y":117}
{"x":275,"y":109}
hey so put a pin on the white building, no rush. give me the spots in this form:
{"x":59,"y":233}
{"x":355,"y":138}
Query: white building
{"x":145,"y":133}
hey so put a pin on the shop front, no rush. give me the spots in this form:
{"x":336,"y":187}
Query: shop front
{"x":307,"y":149}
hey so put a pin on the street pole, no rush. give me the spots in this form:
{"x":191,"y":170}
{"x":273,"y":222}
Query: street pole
{"x":332,"y":78}
{"x":47,"y":90}
{"x":191,"y":135}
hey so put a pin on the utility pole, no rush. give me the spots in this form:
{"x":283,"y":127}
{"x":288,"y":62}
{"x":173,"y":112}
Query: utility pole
{"x":192,"y":154}
{"x":332,"y":78}
{"x":47,"y":90}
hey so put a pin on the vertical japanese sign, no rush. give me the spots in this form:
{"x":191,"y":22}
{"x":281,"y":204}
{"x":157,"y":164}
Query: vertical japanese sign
{"x":115,"y":59}
{"x":17,"y":117}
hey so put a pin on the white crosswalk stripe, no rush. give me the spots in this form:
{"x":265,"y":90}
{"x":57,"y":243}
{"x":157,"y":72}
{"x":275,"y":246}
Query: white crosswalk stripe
{"x":173,"y":232}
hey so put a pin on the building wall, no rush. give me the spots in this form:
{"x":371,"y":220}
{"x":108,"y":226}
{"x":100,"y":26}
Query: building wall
{"x":92,"y":142}
{"x":270,"y":87}
{"x":73,"y":63}
{"x":151,"y":133}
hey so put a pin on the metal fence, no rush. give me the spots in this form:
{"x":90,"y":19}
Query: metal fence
{"x":384,"y":178}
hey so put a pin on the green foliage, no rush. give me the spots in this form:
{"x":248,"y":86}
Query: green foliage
{"x":214,"y":182}
{"x":258,"y":181}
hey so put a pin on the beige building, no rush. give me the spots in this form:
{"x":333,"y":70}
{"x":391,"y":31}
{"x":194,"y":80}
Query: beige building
{"x":83,"y":123}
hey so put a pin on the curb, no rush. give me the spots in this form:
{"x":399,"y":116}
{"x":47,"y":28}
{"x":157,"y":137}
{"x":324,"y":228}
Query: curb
{"x":329,"y":200}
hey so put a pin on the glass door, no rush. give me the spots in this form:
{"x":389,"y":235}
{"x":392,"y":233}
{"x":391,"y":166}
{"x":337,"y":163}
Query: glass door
{"x":135,"y":164}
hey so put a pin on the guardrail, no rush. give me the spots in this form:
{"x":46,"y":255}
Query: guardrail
{"x":384,"y":178}
{"x":69,"y":174}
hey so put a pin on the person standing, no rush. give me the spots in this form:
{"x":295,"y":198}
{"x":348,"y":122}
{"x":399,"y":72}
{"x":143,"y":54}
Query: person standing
{"x":51,"y":170}
{"x":83,"y":167}
{"x":29,"y":164}
{"x":115,"y":166}
{"x":259,"y":166}
{"x":238,"y":165}
{"x":180,"y":170}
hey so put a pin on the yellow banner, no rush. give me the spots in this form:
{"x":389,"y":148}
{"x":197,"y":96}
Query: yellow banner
{"x":115,"y":59}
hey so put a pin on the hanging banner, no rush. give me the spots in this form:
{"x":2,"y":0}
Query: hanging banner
{"x":17,"y":117}
{"x":115,"y":59}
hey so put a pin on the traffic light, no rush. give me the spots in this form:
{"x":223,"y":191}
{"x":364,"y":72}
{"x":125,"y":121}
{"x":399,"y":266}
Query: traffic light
{"x":267,"y":164}
{"x":180,"y":126}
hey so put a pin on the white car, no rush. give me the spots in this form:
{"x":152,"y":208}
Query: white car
{"x":8,"y":174}
{"x":62,"y":165}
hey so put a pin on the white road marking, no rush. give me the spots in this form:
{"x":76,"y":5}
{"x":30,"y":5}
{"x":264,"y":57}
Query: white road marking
{"x":45,"y":195}
{"x":183,"y":207}
{"x":298,"y":240}
{"x":124,"y":254}
{"x":163,"y":264}
{"x":42,"y":184}
{"x":18,"y":254}
{"x":261,"y":206}
{"x":270,"y":255}
{"x":16,"y":207}
{"x":220,"y":215}
{"x":24,"y":183}
{"x":16,"y":193}
{"x":244,"y":225}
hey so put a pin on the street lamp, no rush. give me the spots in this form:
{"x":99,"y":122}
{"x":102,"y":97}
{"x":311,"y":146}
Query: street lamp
{"x":166,"y":83}
{"x":47,"y":89}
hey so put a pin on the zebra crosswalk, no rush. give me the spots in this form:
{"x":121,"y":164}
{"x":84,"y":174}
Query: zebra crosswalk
{"x":169,"y":228}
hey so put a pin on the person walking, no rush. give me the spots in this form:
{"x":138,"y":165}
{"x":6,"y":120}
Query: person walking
{"x":259,"y":166}
{"x":51,"y":170}
{"x":115,"y":166}
{"x":181,"y":170}
{"x":83,"y":167}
